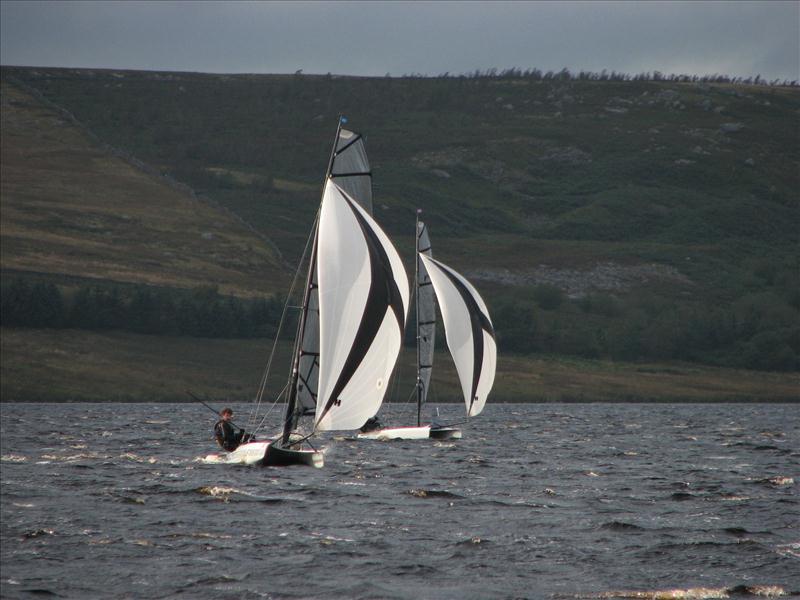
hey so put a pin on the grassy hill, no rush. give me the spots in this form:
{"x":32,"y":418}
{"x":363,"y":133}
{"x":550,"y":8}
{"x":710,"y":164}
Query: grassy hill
{"x":74,"y":211}
{"x":623,"y":162}
{"x":633,"y":220}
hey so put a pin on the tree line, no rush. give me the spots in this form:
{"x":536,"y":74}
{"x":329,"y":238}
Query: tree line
{"x":202,"y":312}
{"x":565,"y":74}
{"x":760,"y":331}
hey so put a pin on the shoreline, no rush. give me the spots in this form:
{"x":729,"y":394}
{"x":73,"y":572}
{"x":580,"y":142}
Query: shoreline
{"x":71,"y":366}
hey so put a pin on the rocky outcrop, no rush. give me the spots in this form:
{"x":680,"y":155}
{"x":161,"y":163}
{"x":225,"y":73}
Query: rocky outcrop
{"x":576,"y":283}
{"x":731,"y":127}
{"x":569,"y":155}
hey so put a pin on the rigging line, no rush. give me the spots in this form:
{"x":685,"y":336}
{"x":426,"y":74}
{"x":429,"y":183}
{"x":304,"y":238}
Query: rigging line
{"x":303,"y":439}
{"x":415,"y":300}
{"x":434,"y":394}
{"x":263,"y":385}
{"x":397,"y":371}
{"x":283,"y":424}
{"x":394,"y":378}
{"x":270,"y":409}
{"x":411,"y":395}
{"x":412,"y":398}
{"x":214,"y":410}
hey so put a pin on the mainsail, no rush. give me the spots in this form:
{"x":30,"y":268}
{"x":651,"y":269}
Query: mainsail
{"x":468,"y":330}
{"x":426,"y":319}
{"x":349,"y":168}
{"x":363,"y":299}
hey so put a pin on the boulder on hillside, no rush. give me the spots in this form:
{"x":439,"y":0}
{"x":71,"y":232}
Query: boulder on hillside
{"x":569,"y":154}
{"x":731,"y":127}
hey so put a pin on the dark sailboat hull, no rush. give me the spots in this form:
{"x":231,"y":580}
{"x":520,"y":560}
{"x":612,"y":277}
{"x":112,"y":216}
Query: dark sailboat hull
{"x":445,"y":433}
{"x":285,"y":457}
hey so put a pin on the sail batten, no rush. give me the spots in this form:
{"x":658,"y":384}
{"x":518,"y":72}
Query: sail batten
{"x":468,"y":330}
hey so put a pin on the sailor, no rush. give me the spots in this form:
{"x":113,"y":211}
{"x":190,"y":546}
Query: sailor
{"x":227,"y":437}
{"x":372,"y":424}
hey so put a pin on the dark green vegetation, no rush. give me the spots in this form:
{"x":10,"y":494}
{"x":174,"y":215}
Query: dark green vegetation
{"x":633,"y":220}
{"x":80,"y":365}
{"x":200,"y":312}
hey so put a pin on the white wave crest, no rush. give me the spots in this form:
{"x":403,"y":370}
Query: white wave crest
{"x":14,"y":458}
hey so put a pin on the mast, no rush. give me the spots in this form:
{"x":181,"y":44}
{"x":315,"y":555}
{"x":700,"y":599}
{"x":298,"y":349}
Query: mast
{"x":291,"y":417}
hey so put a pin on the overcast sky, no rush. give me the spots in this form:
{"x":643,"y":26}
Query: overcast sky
{"x":374,"y":38}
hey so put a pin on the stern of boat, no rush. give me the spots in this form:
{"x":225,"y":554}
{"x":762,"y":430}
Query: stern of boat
{"x":286,"y":457}
{"x":445,"y":433}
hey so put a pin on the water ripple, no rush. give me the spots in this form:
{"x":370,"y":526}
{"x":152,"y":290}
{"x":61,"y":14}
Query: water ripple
{"x":536,"y":501}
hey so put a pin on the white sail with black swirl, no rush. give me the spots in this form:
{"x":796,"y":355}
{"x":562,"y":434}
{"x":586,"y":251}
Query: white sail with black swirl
{"x":426,"y":314}
{"x":468,"y":330}
{"x":363,"y":299}
{"x":350,"y":170}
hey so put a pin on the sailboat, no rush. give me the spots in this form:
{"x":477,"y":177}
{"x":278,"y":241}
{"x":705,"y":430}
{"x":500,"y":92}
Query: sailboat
{"x":352,"y":317}
{"x":470,"y":339}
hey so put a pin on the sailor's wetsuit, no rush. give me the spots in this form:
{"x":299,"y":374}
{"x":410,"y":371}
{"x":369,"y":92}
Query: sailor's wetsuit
{"x":226,"y":436}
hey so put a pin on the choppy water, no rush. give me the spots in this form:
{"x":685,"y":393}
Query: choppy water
{"x":537,"y":501}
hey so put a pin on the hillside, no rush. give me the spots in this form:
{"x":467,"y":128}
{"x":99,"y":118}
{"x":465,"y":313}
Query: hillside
{"x":73,"y":211}
{"x":621,"y":162}
{"x":632,"y":220}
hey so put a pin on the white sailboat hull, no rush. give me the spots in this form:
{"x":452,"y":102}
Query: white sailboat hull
{"x":413,"y":433}
{"x":247,"y":454}
{"x":397,"y":433}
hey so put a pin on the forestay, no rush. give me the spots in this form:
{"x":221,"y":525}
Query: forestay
{"x":363,"y":299}
{"x":468,"y":330}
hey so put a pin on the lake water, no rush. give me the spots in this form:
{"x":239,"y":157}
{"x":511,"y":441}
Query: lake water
{"x":536,"y":501}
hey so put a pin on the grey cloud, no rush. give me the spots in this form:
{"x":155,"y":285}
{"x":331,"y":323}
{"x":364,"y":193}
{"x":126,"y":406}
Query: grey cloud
{"x":372,"y":38}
